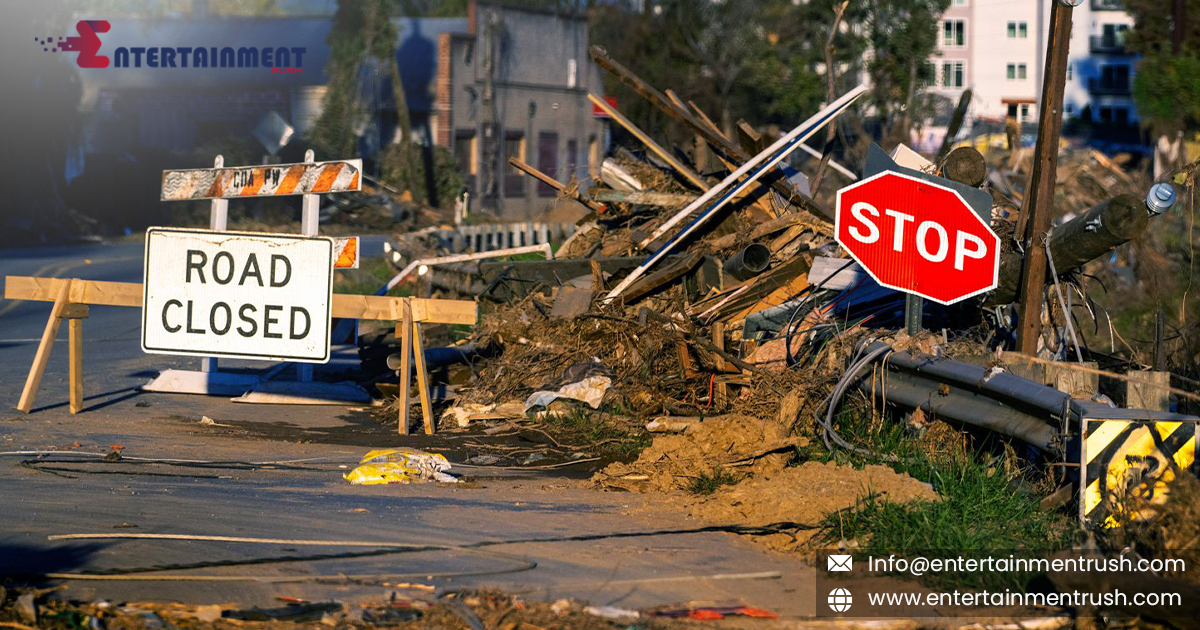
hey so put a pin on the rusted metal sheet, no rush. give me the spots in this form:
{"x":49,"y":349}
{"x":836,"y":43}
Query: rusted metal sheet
{"x":262,"y":181}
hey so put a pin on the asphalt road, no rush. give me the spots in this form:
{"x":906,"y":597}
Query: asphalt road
{"x":534,"y":516}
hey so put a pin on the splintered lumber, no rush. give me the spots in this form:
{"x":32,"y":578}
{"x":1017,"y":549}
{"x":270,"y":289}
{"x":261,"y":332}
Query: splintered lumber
{"x":771,"y":288}
{"x":762,"y":229}
{"x":618,"y":178}
{"x":642,"y":198}
{"x":655,"y":148}
{"x":714,"y":138}
{"x":667,"y":274}
{"x":956,"y":123}
{"x":553,"y":183}
{"x":384,"y":308}
{"x":752,"y":170}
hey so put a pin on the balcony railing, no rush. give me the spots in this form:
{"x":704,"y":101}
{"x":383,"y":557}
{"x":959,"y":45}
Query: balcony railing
{"x":1101,"y":87}
{"x":1107,"y":43}
{"x":1108,"y":5}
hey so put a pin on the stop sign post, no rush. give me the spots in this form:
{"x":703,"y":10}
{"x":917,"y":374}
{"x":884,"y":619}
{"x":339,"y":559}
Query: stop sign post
{"x":918,"y":237}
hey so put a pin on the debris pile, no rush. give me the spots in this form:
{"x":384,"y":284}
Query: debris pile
{"x":715,"y":308}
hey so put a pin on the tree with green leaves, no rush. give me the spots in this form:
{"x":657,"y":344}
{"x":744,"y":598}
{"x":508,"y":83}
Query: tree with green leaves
{"x":1166,"y":86}
{"x":363,"y":34}
{"x":902,"y":35}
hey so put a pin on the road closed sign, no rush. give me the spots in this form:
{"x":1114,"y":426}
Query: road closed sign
{"x":917,"y":237}
{"x":237,"y":294}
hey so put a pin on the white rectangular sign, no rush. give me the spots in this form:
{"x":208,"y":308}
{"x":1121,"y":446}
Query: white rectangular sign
{"x":242,"y":295}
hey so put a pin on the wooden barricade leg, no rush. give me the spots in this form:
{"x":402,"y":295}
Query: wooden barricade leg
{"x":75,"y":330}
{"x":422,"y":377}
{"x":404,"y":332}
{"x":38,"y":369}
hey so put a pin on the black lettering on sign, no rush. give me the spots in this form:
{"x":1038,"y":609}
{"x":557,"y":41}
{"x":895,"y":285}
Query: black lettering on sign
{"x":242,"y":178}
{"x":242,"y":316}
{"x":273,"y":175}
{"x":300,"y":310}
{"x":166,"y":306}
{"x":212,"y":318}
{"x":216,"y":270}
{"x":196,"y":259}
{"x":287,"y":270}
{"x":190,"y":330}
{"x":268,"y":321}
{"x":251,"y":270}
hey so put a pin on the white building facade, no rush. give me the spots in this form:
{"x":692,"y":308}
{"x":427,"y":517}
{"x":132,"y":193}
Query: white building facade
{"x":998,"y":47}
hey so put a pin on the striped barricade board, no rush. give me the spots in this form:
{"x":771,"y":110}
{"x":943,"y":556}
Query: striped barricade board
{"x":262,"y":181}
{"x":1134,"y":454}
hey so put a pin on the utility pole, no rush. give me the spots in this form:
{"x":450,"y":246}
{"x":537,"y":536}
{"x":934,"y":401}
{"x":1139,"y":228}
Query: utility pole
{"x":1039,"y":196}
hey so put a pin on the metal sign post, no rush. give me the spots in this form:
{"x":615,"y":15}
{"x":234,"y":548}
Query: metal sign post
{"x":913,"y":305}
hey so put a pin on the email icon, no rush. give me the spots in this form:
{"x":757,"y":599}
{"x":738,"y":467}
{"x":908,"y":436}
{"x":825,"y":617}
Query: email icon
{"x":839,"y":562}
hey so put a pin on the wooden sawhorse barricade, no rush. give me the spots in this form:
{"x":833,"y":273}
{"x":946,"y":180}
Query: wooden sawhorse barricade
{"x":72,"y":297}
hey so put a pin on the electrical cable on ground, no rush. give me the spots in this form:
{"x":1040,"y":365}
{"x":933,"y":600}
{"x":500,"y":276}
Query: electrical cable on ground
{"x":382,"y":547}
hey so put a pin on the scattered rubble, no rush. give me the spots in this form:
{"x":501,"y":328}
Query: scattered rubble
{"x":738,"y":351}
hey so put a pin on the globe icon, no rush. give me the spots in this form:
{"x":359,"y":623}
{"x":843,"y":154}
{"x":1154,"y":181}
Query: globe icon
{"x":839,"y":600}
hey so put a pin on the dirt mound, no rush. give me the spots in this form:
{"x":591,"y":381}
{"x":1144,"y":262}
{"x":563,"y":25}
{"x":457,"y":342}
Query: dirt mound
{"x":741,"y":445}
{"x":805,"y":494}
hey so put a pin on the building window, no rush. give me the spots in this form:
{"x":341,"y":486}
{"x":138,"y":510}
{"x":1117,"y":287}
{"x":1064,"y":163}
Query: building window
{"x":1024,"y":111}
{"x":953,"y":73}
{"x":466,"y":154}
{"x":1016,"y":71}
{"x":1018,"y":30}
{"x":514,"y":180}
{"x":960,"y":3}
{"x":572,"y":161}
{"x":466,"y":151}
{"x":547,"y":161}
{"x":954,"y":33}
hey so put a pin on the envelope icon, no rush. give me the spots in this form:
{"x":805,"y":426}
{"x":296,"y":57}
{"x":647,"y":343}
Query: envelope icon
{"x":839,"y":562}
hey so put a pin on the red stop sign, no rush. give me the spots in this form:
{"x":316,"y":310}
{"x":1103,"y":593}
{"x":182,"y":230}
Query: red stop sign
{"x":918,"y":237}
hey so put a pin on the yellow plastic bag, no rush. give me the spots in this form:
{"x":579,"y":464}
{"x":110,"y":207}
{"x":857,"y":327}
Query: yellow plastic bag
{"x":400,"y":465}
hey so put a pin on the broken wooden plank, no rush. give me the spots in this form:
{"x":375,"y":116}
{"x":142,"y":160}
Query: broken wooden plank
{"x":655,"y":148}
{"x":600,"y":56}
{"x":554,"y":183}
{"x":385,"y":308}
{"x":642,"y":198}
{"x":668,"y":273}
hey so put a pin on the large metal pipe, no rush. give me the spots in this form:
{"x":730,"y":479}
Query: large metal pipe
{"x":968,"y":393}
{"x":1078,"y":241}
{"x":749,"y":262}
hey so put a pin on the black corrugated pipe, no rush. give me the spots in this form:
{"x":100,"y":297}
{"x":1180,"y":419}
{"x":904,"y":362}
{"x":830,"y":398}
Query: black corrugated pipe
{"x":749,"y":262}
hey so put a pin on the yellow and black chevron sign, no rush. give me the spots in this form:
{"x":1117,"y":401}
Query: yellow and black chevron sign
{"x":1130,"y":458}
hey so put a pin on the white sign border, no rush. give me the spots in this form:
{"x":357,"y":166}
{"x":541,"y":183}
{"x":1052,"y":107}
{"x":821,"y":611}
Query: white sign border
{"x":837,"y":224}
{"x":223,"y":355}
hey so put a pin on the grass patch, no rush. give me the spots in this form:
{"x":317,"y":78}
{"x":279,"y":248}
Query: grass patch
{"x":710,"y":482}
{"x":989,"y":504}
{"x":372,"y":273}
{"x":611,"y":436}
